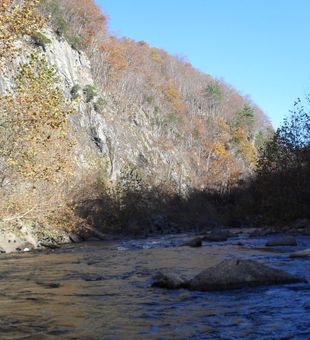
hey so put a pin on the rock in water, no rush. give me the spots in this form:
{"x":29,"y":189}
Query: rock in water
{"x":74,"y":238}
{"x":196,"y":242}
{"x":282,"y":241}
{"x":302,"y":253}
{"x":238,"y":273}
{"x":218,"y":236}
{"x":169,"y":281}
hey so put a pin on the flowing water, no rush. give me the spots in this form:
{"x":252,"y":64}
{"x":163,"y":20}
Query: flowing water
{"x":101,"y":290}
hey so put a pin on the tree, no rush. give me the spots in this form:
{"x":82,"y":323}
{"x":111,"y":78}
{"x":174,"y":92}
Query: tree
{"x":36,"y":157}
{"x":214,"y":96}
{"x":16,"y":20}
{"x":33,"y":118}
{"x":284,"y":168}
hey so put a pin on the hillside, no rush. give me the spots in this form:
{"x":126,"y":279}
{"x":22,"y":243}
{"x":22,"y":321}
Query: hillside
{"x":102,"y":131}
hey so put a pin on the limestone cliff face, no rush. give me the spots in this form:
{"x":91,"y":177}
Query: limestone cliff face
{"x":123,"y":148}
{"x":118,"y":142}
{"x":122,"y":144}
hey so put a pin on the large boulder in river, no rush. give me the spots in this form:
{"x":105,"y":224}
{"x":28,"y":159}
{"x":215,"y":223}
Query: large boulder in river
{"x":238,"y":273}
{"x":169,"y":281}
{"x":301,"y":253}
{"x":282,"y":241}
{"x":195,"y":242}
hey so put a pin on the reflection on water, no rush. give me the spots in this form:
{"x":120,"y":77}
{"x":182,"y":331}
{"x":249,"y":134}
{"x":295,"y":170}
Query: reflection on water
{"x":102,"y":291}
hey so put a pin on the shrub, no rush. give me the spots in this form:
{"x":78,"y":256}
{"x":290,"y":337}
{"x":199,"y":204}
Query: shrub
{"x":149,"y":99}
{"x":16,"y":21}
{"x":74,"y":42}
{"x":75,"y":91}
{"x":36,"y":150}
{"x":53,"y":9}
{"x":33,"y":121}
{"x":99,"y":104}
{"x":213,"y":92}
{"x":40,"y":39}
{"x":90,"y":93}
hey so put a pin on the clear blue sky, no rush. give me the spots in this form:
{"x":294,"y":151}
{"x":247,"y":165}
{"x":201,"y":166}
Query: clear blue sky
{"x":261,"y":47}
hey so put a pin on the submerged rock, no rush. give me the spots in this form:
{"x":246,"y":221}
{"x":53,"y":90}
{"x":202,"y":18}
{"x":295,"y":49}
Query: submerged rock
{"x":268,"y":249}
{"x":302,"y":253}
{"x":196,"y":242}
{"x":282,"y":241}
{"x":263,"y":232}
{"x":238,"y":273}
{"x":93,"y":239}
{"x":92,"y":277}
{"x":169,"y":281}
{"x":49,"y":284}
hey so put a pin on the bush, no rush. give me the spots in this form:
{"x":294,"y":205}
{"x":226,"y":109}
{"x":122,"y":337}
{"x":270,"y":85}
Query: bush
{"x":149,"y":99}
{"x":40,"y":39}
{"x":33,"y":121}
{"x":75,"y":91}
{"x":74,"y":42}
{"x":16,"y":20}
{"x":53,"y":9}
{"x":99,"y":104}
{"x":90,"y":93}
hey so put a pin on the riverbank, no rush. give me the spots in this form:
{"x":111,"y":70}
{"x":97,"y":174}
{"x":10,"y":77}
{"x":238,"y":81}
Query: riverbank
{"x":27,"y":236}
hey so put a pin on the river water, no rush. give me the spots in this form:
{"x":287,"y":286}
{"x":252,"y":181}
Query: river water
{"x":101,"y":290}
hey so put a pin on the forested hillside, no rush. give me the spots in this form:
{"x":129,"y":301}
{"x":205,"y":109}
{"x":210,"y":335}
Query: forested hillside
{"x":92,"y":122}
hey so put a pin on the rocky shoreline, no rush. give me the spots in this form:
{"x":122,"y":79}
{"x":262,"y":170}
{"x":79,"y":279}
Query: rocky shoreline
{"x":24,"y":237}
{"x":30,"y":236}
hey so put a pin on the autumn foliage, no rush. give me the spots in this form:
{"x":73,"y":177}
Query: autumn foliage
{"x":16,"y":20}
{"x":210,"y":121}
{"x":212,"y":127}
{"x":36,"y":148}
{"x":35,"y":145}
{"x":33,"y":121}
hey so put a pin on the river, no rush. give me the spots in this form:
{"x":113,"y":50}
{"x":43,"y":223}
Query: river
{"x":101,"y":290}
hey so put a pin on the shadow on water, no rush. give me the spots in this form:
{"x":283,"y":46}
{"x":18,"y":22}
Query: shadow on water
{"x":102,"y":291}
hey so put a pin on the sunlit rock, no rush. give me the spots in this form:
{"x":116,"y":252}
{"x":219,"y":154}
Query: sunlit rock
{"x":238,"y":273}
